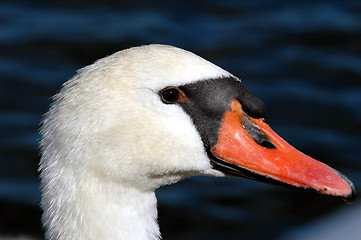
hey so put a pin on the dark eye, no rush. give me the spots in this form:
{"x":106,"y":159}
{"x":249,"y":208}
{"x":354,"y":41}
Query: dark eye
{"x":171,"y":95}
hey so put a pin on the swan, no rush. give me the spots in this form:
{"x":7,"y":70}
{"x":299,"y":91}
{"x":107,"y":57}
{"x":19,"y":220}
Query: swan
{"x":150,"y":116}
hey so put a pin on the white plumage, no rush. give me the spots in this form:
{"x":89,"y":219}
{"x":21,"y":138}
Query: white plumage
{"x":109,"y":142}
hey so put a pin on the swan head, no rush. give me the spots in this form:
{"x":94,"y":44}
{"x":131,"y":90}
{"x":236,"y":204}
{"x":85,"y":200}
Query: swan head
{"x":152,"y":115}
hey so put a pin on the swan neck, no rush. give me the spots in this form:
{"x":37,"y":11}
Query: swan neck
{"x":96,"y":209}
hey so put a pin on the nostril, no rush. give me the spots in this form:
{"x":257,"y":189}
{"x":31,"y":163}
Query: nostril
{"x":266,"y":143}
{"x":258,"y":136}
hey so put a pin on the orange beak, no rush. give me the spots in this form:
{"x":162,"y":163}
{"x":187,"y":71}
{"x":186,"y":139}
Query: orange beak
{"x":249,"y":147}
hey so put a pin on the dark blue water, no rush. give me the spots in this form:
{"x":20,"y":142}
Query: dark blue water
{"x":303,"y":58}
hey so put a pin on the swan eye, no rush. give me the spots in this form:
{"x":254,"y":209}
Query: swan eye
{"x":171,"y":95}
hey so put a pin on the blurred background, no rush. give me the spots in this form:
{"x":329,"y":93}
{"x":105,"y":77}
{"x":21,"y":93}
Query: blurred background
{"x":302,"y":58}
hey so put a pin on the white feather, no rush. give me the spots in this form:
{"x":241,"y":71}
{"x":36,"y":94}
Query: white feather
{"x":109,"y":142}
